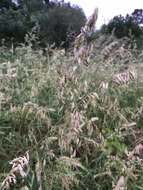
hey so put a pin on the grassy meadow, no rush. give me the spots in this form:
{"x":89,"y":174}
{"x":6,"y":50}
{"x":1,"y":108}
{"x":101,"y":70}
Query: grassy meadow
{"x":71,"y":124}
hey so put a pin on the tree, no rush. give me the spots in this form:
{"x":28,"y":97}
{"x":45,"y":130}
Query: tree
{"x":31,"y":5}
{"x":55,"y":20}
{"x":6,"y":4}
{"x":58,"y":22}
{"x":117,"y":25}
{"x":137,"y":16}
{"x":14,"y":24}
{"x":124,"y":26}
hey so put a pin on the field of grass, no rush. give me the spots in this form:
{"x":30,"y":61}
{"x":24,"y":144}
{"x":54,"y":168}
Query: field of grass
{"x":66,"y":125}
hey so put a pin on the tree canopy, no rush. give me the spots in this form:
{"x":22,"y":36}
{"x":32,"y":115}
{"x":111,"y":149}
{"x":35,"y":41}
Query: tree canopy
{"x":54,"y":20}
{"x":130,"y":26}
{"x":124,"y":26}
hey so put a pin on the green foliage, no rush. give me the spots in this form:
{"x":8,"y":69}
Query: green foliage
{"x":82,"y":130}
{"x":6,"y":4}
{"x":123,"y":26}
{"x":32,"y":6}
{"x":14,"y":24}
{"x":138,"y":16}
{"x":60,"y":24}
{"x":126,"y":26}
{"x":56,"y":21}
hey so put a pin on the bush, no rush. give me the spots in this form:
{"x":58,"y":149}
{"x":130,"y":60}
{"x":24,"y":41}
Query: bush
{"x":60,"y":24}
{"x":56,"y":22}
{"x":14,"y":24}
{"x":126,"y":26}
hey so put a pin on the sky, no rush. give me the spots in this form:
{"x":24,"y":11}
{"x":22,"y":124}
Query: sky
{"x":108,"y":8}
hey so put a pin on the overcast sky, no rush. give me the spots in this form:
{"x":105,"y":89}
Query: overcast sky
{"x":108,"y":8}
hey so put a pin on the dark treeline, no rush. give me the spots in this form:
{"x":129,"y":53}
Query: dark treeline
{"x":129,"y":26}
{"x":59,"y":22}
{"x":56,"y":21}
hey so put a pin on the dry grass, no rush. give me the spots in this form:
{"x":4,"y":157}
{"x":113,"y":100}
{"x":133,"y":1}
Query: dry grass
{"x":80,"y":123}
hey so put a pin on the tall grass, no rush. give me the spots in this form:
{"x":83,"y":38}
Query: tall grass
{"x":69,"y":125}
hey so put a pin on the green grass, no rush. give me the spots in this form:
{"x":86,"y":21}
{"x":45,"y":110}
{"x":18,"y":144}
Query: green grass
{"x":79,"y":135}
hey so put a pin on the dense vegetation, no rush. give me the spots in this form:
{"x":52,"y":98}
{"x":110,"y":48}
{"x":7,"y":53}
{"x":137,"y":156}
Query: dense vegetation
{"x":72,"y":120}
{"x":56,"y":21}
{"x":128,"y":26}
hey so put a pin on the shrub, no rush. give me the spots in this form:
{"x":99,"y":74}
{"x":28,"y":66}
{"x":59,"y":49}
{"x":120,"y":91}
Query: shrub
{"x":61,"y":24}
